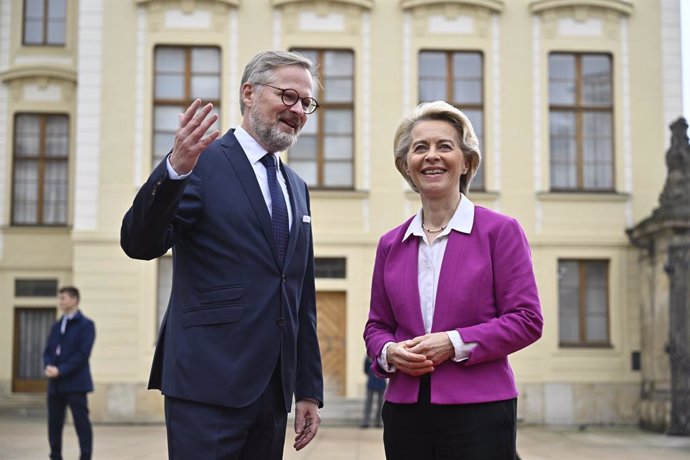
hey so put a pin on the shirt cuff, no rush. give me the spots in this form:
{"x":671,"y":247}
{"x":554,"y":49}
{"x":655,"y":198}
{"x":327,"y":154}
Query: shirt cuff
{"x":462,"y":349}
{"x":171,"y":172}
{"x":383,"y":359}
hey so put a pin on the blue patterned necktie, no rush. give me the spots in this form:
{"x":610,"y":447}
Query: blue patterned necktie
{"x":279,"y":212}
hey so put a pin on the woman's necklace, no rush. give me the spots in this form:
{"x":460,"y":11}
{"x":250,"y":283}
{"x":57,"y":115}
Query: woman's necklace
{"x":438,"y":230}
{"x":434,"y":231}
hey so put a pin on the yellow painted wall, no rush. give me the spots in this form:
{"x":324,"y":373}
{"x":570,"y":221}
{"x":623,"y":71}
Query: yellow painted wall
{"x":386,"y":37}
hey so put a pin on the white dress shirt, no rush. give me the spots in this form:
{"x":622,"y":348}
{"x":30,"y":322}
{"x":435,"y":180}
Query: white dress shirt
{"x":65,"y":318}
{"x":63,"y":327}
{"x":429,"y":261}
{"x":254,"y":153}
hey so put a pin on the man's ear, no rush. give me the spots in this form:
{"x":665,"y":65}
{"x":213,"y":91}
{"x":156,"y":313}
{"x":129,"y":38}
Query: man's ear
{"x":247,"y":94}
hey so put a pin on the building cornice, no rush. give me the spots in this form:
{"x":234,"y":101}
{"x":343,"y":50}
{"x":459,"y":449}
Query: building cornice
{"x":188,"y":5}
{"x":495,"y":6}
{"x":366,"y":4}
{"x":38,"y":71}
{"x":621,"y":6}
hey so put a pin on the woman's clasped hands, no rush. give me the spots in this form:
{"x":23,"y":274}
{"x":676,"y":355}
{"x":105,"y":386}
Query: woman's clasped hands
{"x":421,"y":354}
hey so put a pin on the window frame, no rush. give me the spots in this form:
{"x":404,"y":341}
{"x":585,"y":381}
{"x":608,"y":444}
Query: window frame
{"x":582,"y":341}
{"x":42,"y":160}
{"x":320,"y":118}
{"x":450,"y":98}
{"x":188,"y":98}
{"x":44,"y":29}
{"x":331,"y":267}
{"x":36,"y":287}
{"x":578,"y":109}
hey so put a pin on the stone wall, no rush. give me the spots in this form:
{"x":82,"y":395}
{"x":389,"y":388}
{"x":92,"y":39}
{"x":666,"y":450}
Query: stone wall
{"x":664,"y":242}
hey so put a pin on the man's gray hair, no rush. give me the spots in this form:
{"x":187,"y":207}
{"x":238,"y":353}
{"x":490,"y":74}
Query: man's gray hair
{"x":260,"y":69}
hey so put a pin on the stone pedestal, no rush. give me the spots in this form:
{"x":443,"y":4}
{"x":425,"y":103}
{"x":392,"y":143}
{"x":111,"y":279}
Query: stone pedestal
{"x":678,"y":269}
{"x":664,"y":240}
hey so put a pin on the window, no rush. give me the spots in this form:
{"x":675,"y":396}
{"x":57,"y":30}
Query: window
{"x":36,"y":288}
{"x":44,"y":22}
{"x":581,"y":122}
{"x":41,"y":152}
{"x":31,"y":329}
{"x":165,"y":271}
{"x":456,"y":77}
{"x":323,"y":155}
{"x":583,"y":306}
{"x":182,"y":74}
{"x":330,"y":267}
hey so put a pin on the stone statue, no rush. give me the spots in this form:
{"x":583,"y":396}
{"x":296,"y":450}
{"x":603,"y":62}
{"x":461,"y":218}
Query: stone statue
{"x":675,"y":198}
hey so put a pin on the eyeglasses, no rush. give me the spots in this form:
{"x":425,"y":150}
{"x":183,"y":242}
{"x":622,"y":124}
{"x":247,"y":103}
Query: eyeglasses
{"x":290,"y":97}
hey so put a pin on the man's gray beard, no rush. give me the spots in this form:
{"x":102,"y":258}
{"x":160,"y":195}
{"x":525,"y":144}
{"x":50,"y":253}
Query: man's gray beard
{"x":271,"y":136}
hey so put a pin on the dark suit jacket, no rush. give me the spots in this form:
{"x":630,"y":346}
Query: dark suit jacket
{"x":234,"y":313}
{"x":73,"y":362}
{"x":374,"y":382}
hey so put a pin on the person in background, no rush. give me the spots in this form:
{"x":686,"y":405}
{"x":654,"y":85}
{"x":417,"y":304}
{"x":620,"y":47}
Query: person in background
{"x":375,"y":387}
{"x":453,"y":294}
{"x":66,"y":363}
{"x":238,"y":339}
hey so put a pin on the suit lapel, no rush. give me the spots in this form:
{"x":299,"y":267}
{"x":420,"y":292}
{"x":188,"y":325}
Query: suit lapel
{"x":247,"y":179}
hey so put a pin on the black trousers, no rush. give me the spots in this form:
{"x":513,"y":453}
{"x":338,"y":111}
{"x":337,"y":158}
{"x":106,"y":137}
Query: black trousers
{"x":198,"y":431}
{"x":57,"y":408}
{"x":425,"y":431}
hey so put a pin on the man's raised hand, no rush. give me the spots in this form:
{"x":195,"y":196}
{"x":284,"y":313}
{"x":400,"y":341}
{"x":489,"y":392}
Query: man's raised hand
{"x":189,"y":139}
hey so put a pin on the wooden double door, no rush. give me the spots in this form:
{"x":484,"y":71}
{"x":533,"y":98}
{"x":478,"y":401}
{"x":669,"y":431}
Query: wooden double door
{"x":331,"y":329}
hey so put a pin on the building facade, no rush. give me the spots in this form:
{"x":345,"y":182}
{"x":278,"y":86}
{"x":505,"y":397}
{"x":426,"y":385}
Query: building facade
{"x":571,"y":101}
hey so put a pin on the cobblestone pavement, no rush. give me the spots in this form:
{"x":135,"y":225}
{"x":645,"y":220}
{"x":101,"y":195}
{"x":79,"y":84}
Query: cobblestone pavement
{"x":26,"y":439}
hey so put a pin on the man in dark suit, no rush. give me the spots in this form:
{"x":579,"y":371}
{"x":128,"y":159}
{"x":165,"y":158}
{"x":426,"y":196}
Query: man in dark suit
{"x":66,"y":362}
{"x":238,"y":339}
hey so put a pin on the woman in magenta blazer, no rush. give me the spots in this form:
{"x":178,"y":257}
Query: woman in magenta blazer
{"x":453,"y":294}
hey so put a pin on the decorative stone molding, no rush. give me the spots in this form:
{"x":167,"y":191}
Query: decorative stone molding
{"x":47,"y":72}
{"x":620,"y":6}
{"x":673,"y":212}
{"x":42,"y":89}
{"x":495,"y":6}
{"x":607,"y":21}
{"x":674,"y":201}
{"x":366,"y":4}
{"x":187,"y":5}
{"x":187,"y":14}
{"x":344,"y":17}
{"x":469,"y":18}
{"x":664,"y":238}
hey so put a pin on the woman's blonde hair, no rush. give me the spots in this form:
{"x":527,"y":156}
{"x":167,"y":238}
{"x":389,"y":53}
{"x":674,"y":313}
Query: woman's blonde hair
{"x":438,"y":110}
